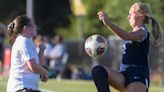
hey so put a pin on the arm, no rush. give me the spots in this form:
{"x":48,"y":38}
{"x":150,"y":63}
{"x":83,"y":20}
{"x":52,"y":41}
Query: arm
{"x":134,"y":35}
{"x":55,"y":57}
{"x":41,"y":54}
{"x":41,"y":57}
{"x":34,"y":67}
{"x":44,"y":75}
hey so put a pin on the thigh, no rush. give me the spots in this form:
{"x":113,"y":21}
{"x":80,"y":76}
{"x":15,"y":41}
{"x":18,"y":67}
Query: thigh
{"x":136,"y":87}
{"x":136,"y":78}
{"x":116,"y":79}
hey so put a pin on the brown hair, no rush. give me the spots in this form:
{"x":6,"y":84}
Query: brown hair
{"x":59,"y":38}
{"x":16,"y":28}
{"x":156,"y":28}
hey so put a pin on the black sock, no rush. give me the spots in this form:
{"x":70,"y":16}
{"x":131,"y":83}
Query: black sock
{"x":100,"y":78}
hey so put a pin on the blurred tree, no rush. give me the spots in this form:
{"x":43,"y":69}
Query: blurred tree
{"x":11,"y":8}
{"x":92,"y":24}
{"x":55,"y":15}
{"x":52,"y":14}
{"x":49,"y":14}
{"x":118,"y":11}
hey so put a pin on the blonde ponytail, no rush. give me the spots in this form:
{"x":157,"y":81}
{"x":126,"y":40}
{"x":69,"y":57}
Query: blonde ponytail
{"x":144,"y":8}
{"x":155,"y":31}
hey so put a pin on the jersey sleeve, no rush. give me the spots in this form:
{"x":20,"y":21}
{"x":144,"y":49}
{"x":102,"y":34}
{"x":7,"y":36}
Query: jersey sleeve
{"x":28,"y":53}
{"x":145,"y":34}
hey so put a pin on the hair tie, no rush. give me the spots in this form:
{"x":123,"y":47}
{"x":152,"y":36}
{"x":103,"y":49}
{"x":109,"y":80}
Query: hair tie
{"x":11,"y":26}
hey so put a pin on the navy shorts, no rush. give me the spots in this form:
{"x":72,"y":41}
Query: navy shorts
{"x":136,"y":74}
{"x":27,"y":90}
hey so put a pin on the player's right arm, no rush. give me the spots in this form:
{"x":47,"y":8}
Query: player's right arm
{"x":134,"y":35}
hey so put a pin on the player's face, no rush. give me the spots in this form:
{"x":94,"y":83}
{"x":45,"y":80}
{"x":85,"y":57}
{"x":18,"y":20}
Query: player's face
{"x":32,"y":28}
{"x":134,"y":17}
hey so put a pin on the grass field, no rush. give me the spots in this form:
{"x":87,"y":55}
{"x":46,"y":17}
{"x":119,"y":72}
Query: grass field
{"x":70,"y":86}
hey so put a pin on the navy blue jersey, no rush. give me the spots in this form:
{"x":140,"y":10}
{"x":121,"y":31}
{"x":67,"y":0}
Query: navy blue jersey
{"x":136,"y":52}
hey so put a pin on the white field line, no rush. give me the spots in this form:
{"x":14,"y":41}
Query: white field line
{"x":46,"y":90}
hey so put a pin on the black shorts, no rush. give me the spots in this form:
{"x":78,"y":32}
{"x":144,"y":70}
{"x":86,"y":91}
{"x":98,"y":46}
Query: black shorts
{"x":27,"y":90}
{"x":136,"y":74}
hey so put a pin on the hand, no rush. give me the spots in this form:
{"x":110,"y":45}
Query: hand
{"x":42,"y":47}
{"x":103,"y":17}
{"x":44,"y":79}
{"x":44,"y":75}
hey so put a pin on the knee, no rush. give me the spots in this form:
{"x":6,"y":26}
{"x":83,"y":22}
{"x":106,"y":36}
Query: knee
{"x":99,"y":72}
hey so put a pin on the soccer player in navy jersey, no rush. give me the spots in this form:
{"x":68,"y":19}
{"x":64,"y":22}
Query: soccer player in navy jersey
{"x":134,"y":70}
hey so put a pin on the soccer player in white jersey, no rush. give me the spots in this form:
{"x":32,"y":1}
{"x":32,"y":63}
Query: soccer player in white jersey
{"x":26,"y":64}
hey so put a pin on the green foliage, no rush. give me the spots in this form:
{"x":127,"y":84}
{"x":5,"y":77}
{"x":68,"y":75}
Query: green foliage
{"x":117,"y":11}
{"x":71,"y":32}
{"x":92,"y":25}
{"x":117,"y":15}
{"x":51,"y":15}
{"x":54,"y":16}
{"x":11,"y":8}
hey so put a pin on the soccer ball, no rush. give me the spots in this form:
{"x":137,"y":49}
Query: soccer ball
{"x":95,"y":46}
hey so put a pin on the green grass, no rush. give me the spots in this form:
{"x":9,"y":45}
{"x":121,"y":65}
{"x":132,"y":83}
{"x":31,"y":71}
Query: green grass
{"x":70,"y":86}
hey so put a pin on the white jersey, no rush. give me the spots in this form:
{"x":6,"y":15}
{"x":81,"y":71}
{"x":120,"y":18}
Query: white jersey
{"x":20,"y":76}
{"x":59,"y":50}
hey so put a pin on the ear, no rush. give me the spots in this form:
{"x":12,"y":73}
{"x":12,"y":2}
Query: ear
{"x":25,"y":28}
{"x":141,"y":14}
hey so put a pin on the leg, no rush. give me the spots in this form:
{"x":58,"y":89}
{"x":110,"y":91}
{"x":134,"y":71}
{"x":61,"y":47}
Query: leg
{"x":116,"y":79}
{"x":102,"y":76}
{"x":136,"y":87}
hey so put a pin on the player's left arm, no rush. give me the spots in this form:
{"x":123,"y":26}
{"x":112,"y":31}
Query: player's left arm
{"x":41,"y":54}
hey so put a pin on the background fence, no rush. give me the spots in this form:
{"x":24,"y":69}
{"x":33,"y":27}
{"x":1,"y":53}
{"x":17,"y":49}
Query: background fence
{"x":112,"y":57}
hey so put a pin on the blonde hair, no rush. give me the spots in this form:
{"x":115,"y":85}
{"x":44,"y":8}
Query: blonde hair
{"x":143,"y":8}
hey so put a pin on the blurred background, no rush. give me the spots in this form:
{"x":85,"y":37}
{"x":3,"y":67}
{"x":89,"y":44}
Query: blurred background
{"x":75,"y":20}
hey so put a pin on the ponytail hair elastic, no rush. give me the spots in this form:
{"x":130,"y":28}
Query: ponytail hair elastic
{"x":11,"y":26}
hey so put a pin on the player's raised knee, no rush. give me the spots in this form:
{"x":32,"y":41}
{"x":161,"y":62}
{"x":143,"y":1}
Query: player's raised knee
{"x":98,"y":71}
